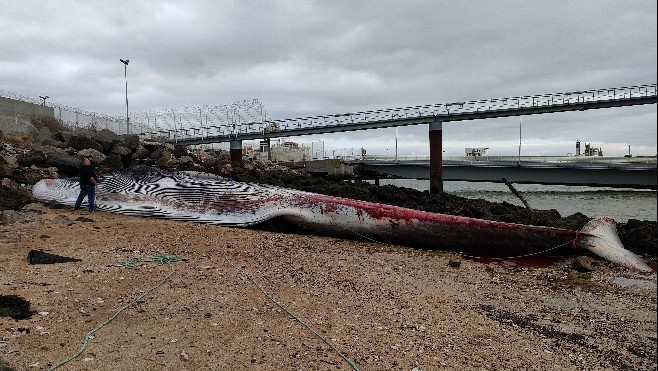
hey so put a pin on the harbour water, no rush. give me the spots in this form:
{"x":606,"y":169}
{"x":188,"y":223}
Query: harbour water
{"x":619,"y":204}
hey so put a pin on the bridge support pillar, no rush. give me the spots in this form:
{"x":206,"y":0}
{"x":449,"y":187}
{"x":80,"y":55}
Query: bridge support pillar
{"x":269,"y":149}
{"x":235,"y":151}
{"x":436,"y":157}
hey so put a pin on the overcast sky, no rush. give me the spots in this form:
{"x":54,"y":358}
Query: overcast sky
{"x":303,"y":58}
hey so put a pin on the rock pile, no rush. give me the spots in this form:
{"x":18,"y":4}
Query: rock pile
{"x":34,"y":154}
{"x":27,"y":157}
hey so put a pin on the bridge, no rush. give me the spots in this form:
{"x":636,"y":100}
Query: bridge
{"x":434,"y":114}
{"x":618,"y":172}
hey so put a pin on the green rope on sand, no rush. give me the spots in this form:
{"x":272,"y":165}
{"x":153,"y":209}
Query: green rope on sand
{"x":290,"y":312}
{"x":130,"y":263}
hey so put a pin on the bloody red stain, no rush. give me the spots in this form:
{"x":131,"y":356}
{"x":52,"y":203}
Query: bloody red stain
{"x":378,"y":211}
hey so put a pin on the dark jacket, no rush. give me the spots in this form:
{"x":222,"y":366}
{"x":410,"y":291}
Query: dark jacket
{"x":86,"y":173}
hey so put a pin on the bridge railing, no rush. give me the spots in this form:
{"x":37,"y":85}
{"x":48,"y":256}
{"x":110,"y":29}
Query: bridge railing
{"x":486,"y":105}
{"x":484,"y":159}
{"x":446,"y":110}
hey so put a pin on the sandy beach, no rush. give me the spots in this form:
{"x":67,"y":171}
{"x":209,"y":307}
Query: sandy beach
{"x":250,"y":299}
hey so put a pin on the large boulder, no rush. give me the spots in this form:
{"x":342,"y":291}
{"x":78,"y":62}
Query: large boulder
{"x":62,"y":136}
{"x":96,"y":156}
{"x":41,"y":135}
{"x":165,"y":159}
{"x":53,"y":143}
{"x":187,"y":163}
{"x":107,"y":139}
{"x":131,"y":141}
{"x":140,"y":154}
{"x":36,"y":157}
{"x":634,"y":234}
{"x":180,"y":151}
{"x":34,"y":174}
{"x":80,"y":142}
{"x":68,"y":165}
{"x":18,"y":140}
{"x":14,"y":198}
{"x":112,"y":163}
{"x":8,"y":164}
{"x":121,"y":150}
{"x":157,"y":153}
{"x":151,"y":145}
{"x":25,"y":126}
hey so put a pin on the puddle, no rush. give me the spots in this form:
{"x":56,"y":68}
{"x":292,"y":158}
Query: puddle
{"x":526,"y":261}
{"x":635,"y":282}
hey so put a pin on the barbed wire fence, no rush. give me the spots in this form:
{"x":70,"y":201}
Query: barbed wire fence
{"x":201,"y":121}
{"x":171,"y":124}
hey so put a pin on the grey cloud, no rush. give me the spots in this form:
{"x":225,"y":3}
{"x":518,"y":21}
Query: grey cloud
{"x":317,"y":57}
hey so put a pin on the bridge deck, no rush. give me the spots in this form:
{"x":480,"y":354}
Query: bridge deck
{"x":638,"y":172}
{"x":234,"y":129}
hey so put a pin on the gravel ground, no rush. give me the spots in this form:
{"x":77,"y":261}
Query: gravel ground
{"x":263,"y":300}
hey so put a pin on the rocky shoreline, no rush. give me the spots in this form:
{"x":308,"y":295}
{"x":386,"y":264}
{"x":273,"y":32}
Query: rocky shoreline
{"x":249,"y":298}
{"x":44,"y":152}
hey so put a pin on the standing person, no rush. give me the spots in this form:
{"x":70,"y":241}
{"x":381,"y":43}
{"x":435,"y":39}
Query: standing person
{"x":88,"y":181}
{"x":226,"y":172}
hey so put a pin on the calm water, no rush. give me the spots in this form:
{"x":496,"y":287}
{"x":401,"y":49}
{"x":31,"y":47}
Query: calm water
{"x":619,"y":204}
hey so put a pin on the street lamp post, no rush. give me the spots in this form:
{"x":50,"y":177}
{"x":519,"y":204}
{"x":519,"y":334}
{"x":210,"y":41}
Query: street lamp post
{"x":125,"y":76}
{"x":44,"y":97}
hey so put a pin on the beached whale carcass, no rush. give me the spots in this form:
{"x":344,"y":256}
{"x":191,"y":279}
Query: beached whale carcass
{"x":207,"y":198}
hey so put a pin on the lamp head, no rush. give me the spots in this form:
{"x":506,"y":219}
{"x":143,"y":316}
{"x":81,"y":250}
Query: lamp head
{"x":125,"y":62}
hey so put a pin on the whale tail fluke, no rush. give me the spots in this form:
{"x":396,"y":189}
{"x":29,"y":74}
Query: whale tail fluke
{"x":599,"y":236}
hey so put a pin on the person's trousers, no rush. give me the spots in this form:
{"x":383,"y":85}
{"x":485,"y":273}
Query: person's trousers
{"x":88,"y":191}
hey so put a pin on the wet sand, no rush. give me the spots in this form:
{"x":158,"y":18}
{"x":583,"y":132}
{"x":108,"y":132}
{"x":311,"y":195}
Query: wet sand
{"x":250,"y":299}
